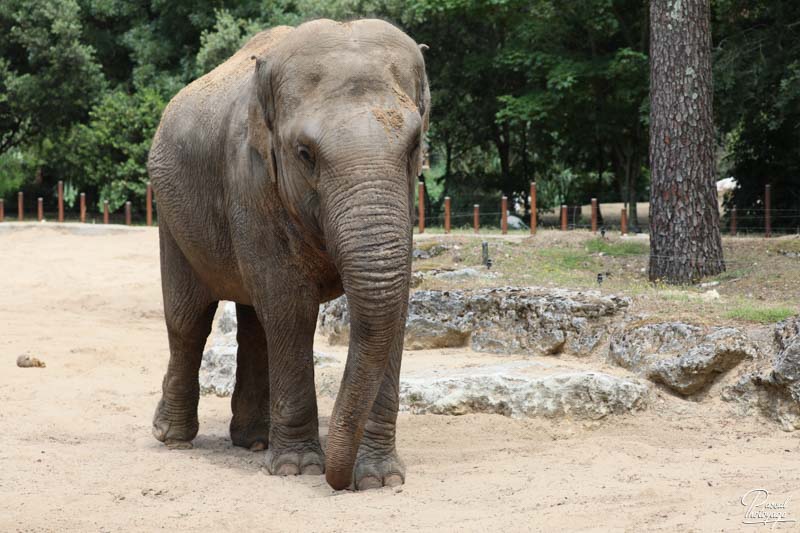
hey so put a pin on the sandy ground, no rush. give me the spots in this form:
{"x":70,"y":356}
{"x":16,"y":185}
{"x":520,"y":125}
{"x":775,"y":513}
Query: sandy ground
{"x":76,"y":451}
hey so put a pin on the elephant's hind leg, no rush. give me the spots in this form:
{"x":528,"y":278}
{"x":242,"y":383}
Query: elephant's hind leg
{"x":189,"y":311}
{"x":250,"y":402}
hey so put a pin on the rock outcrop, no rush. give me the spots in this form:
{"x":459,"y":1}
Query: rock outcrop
{"x":683,"y":357}
{"x":775,"y":389}
{"x":500,"y":390}
{"x":786,"y":331}
{"x":218,"y":368}
{"x":686,"y":359}
{"x":503,"y":320}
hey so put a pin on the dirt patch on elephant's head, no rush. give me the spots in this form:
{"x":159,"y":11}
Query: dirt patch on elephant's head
{"x":391,"y":119}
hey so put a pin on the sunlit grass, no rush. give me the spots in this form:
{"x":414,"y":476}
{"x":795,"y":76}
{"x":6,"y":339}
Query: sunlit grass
{"x":618,"y":248}
{"x":761,"y":313}
{"x":760,"y":286}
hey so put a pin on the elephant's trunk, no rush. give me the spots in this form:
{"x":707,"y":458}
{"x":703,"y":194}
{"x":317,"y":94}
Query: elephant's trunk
{"x":369,"y":237}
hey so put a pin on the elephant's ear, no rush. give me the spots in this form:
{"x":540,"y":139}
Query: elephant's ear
{"x":424,"y":97}
{"x":424,"y":103}
{"x":261,"y":116}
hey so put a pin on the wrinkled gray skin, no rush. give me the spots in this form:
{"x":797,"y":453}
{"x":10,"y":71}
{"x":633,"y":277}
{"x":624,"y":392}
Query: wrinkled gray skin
{"x":284,"y":178}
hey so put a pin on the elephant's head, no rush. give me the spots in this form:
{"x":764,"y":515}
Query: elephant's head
{"x":339,"y":113}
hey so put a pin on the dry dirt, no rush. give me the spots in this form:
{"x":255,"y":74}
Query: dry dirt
{"x":76,"y":451}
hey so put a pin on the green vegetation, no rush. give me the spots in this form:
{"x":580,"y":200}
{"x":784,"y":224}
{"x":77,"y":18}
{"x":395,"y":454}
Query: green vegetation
{"x":762,"y":287}
{"x":760,"y":313}
{"x":616,"y":249}
{"x":522,"y":90}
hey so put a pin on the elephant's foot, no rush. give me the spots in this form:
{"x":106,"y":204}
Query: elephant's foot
{"x":375,"y":469}
{"x":301,"y":458}
{"x":252,"y":434}
{"x":175,"y":427}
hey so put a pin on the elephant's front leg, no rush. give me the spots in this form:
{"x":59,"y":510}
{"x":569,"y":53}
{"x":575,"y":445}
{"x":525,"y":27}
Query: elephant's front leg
{"x":289,"y":320}
{"x":377,"y":463}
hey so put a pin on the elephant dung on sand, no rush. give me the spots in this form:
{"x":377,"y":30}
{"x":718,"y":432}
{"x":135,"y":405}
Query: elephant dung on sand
{"x":284,"y":178}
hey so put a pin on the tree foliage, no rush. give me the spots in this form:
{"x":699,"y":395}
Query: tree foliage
{"x":549,"y":90}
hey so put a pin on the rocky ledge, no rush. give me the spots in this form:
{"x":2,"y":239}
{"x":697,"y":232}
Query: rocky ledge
{"x":685,"y":358}
{"x":504,"y":320}
{"x":507,"y":391}
{"x":773,"y":388}
{"x":690,"y":361}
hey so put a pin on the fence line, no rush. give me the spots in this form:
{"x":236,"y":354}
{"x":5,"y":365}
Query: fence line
{"x":82,"y":207}
{"x":764,"y":214}
{"x":565,"y":220}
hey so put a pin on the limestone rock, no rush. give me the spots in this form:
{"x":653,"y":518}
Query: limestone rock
{"x":460,"y":274}
{"x":786,"y":331}
{"x":504,"y":320}
{"x":514,"y":222}
{"x":429,"y":252}
{"x":218,"y":367}
{"x":774,"y":392}
{"x":572,"y":394}
{"x":683,"y":357}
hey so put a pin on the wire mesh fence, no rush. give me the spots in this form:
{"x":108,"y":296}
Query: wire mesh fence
{"x":595,"y":217}
{"x":466,"y":213}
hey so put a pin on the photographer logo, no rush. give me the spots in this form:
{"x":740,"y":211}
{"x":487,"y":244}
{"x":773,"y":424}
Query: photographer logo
{"x":762,"y":510}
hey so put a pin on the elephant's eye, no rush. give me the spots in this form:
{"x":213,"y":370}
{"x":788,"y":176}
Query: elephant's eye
{"x":305,"y":155}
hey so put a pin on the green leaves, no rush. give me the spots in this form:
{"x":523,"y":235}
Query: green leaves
{"x":218,"y":44}
{"x":522,"y":89}
{"x":48,"y":76}
{"x":110,"y":152}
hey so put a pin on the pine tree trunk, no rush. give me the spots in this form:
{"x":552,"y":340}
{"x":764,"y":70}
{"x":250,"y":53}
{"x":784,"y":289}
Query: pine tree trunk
{"x":685,"y":243}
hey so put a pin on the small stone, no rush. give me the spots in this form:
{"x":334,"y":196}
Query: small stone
{"x":709,"y":296}
{"x":28,"y":361}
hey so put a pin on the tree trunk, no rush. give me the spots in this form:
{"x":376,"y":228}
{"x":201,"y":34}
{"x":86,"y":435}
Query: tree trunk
{"x":503,"y":143}
{"x":685,"y":243}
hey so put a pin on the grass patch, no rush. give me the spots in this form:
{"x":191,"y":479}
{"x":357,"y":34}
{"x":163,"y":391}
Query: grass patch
{"x":616,"y":249}
{"x":565,"y":259}
{"x":736,"y":273}
{"x":757,"y":313}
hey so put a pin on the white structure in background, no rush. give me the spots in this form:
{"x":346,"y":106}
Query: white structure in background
{"x":725,"y":188}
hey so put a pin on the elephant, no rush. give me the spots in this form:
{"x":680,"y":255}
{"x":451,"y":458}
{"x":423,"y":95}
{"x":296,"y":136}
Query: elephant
{"x":283,"y":179}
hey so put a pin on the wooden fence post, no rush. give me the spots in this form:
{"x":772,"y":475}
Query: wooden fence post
{"x":447,"y":214}
{"x":149,"y":201}
{"x":533,"y":208}
{"x":83,"y":207}
{"x":20,"y":215}
{"x":504,"y":215}
{"x":768,"y":211}
{"x":60,"y":200}
{"x":476,"y":221}
{"x":594,"y":215}
{"x":40,"y":209}
{"x":421,"y":205}
{"x":128,"y":213}
{"x":623,"y":222}
{"x":2,"y":210}
{"x":105,"y":211}
{"x":733,"y":221}
{"x":563,"y":218}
